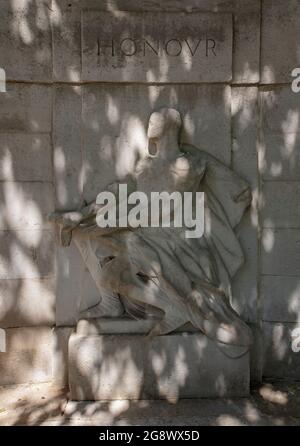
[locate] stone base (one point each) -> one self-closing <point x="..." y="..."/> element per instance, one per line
<point x="132" y="366"/>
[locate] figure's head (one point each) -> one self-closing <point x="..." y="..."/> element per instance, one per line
<point x="162" y="121"/>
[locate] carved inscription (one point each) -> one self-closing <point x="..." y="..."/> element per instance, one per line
<point x="156" y="47"/>
<point x="144" y="47"/>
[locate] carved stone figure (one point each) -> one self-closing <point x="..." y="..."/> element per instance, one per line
<point x="156" y="272"/>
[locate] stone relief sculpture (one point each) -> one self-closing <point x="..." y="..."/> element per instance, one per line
<point x="156" y="272"/>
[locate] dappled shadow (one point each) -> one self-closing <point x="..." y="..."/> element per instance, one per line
<point x="63" y="140"/>
<point x="269" y="405"/>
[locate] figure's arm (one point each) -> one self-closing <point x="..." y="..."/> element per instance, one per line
<point x="69" y="220"/>
<point x="74" y="218"/>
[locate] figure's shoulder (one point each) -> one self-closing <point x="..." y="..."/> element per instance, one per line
<point x="197" y="154"/>
<point x="213" y="165"/>
<point x="193" y="159"/>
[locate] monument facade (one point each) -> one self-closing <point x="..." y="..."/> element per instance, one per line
<point x="175" y="97"/>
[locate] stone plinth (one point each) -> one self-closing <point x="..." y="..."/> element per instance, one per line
<point x="134" y="366"/>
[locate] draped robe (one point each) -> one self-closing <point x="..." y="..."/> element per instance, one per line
<point x="159" y="273"/>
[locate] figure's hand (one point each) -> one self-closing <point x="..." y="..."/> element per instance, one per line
<point x="66" y="219"/>
<point x="67" y="222"/>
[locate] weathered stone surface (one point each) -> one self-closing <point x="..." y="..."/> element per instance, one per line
<point x="246" y="24"/>
<point x="31" y="403"/>
<point x="280" y="361"/>
<point x="66" y="32"/>
<point x="121" y="325"/>
<point x="133" y="367"/>
<point x="25" y="205"/>
<point x="25" y="108"/>
<point x="280" y="109"/>
<point x="280" y="204"/>
<point x="67" y="146"/>
<point x="17" y="152"/>
<point x="25" y="43"/>
<point x="90" y="294"/>
<point x="111" y="264"/>
<point x="94" y="326"/>
<point x="281" y="298"/>
<point x="27" y="360"/>
<point x="76" y="290"/>
<point x="69" y="176"/>
<point x="244" y="285"/>
<point x="244" y="110"/>
<point x="156" y="47"/>
<point x="256" y="353"/>
<point x="116" y="118"/>
<point x="27" y="302"/>
<point x="280" y="252"/>
<point x="69" y="285"/>
<point x="60" y="355"/>
<point x="246" y="52"/>
<point x="279" y="157"/>
<point x="280" y="43"/>
<point x="28" y="357"/>
<point x="30" y="31"/>
<point x="26" y="254"/>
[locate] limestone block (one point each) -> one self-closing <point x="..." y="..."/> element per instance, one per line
<point x="76" y="290"/>
<point x="280" y="204"/>
<point x="67" y="147"/>
<point x="27" y="302"/>
<point x="281" y="298"/>
<point x="28" y="356"/>
<point x="280" y="361"/>
<point x="60" y="355"/>
<point x="246" y="53"/>
<point x="17" y="151"/>
<point x="134" y="367"/>
<point x="279" y="157"/>
<point x="244" y="284"/>
<point x="246" y="25"/>
<point x="94" y="326"/>
<point x="280" y="252"/>
<point x="121" y="325"/>
<point x="246" y="37"/>
<point x="25" y="43"/>
<point x="244" y="110"/>
<point x="26" y="108"/>
<point x="280" y="40"/>
<point x="66" y="30"/>
<point x="25" y="205"/>
<point x="279" y="147"/>
<point x="280" y="109"/>
<point x="115" y="120"/>
<point x="256" y="353"/>
<point x="69" y="285"/>
<point x="27" y="254"/>
<point x="90" y="293"/>
<point x="156" y="47"/>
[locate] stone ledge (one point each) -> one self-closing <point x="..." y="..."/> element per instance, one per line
<point x="121" y="325"/>
<point x="109" y="367"/>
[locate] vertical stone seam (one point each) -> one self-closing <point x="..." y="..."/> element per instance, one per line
<point x="53" y="92"/>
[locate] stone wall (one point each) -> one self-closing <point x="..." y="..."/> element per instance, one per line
<point x="60" y="127"/>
